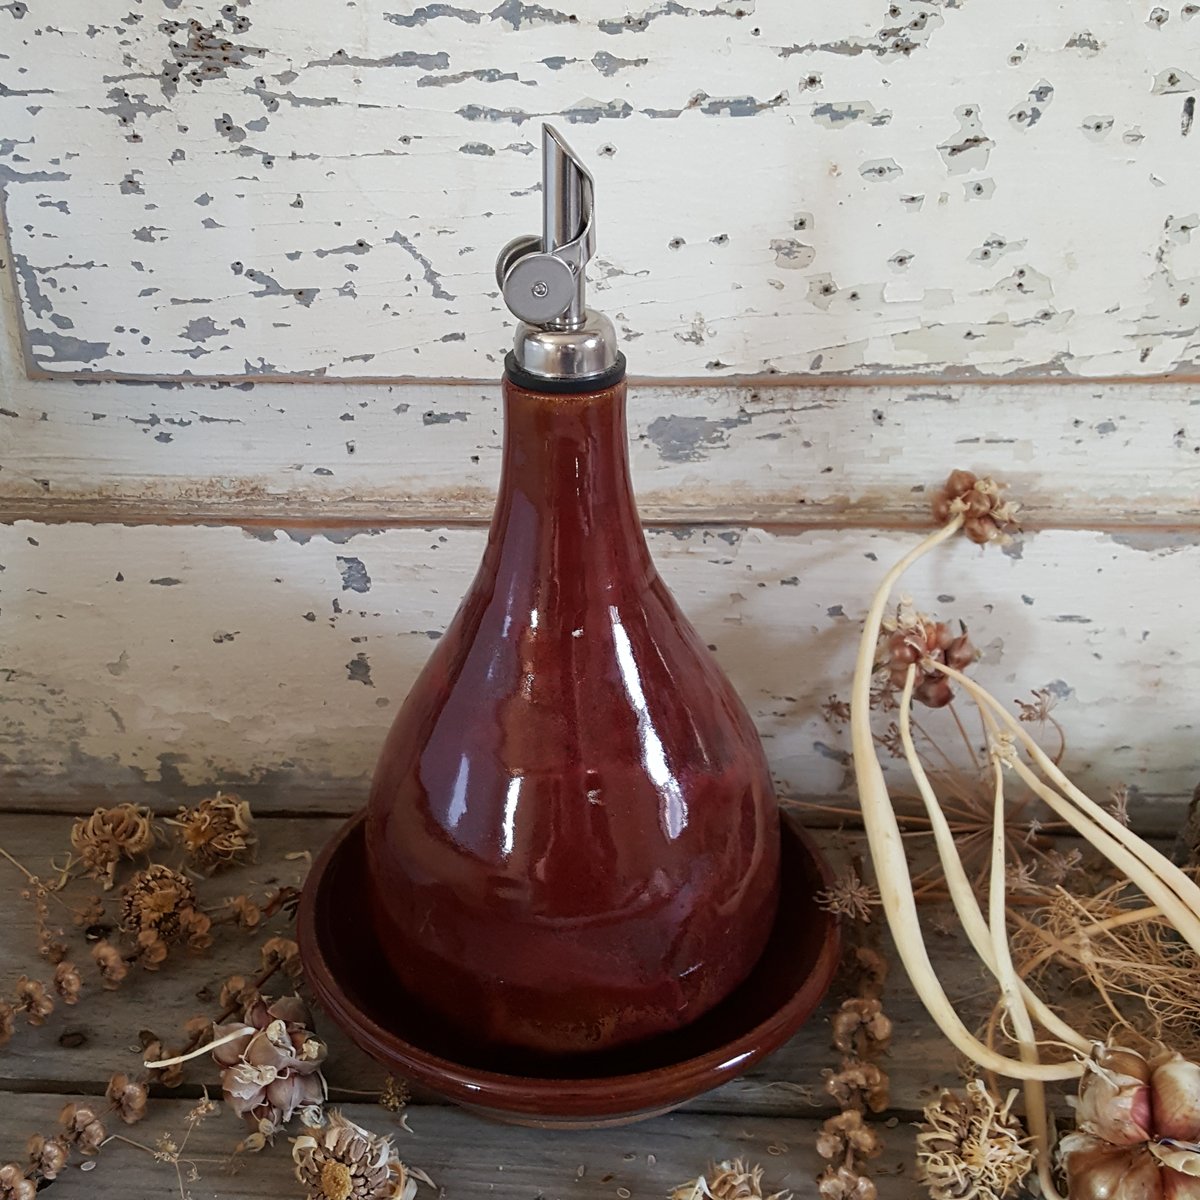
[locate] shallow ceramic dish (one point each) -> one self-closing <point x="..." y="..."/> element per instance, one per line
<point x="347" y="972"/>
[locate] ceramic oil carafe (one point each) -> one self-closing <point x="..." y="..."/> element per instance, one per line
<point x="572" y="837"/>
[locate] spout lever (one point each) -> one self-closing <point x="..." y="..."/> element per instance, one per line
<point x="542" y="279"/>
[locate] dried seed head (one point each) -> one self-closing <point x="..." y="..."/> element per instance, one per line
<point x="109" y="835"/>
<point x="67" y="982"/>
<point x="868" y="972"/>
<point x="81" y="1127"/>
<point x="860" y="1026"/>
<point x="845" y="1183"/>
<point x="237" y="992"/>
<point x="971" y="1145"/>
<point x="128" y="1097"/>
<point x="727" y="1180"/>
<point x="152" y="1050"/>
<point x="197" y="930"/>
<point x="345" y="1162"/>
<point x="14" y="1185"/>
<point x="157" y="899"/>
<point x="151" y="950"/>
<point x="986" y="517"/>
<point x="284" y="953"/>
<point x="246" y="913"/>
<point x="113" y="967"/>
<point x="48" y="1156"/>
<point x="219" y="831"/>
<point x="395" y="1094"/>
<point x="7" y="1015"/>
<point x="846" y="1134"/>
<point x="856" y="1083"/>
<point x="33" y="999"/>
<point x="849" y="897"/>
<point x="90" y="912"/>
<point x="912" y="639"/>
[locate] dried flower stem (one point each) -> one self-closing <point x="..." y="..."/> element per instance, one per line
<point x="962" y="894"/>
<point x="887" y="846"/>
<point x="1036" y="1113"/>
<point x="1151" y="870"/>
<point x="230" y="1009"/>
<point x="33" y="879"/>
<point x="159" y="1063"/>
<point x="1173" y="894"/>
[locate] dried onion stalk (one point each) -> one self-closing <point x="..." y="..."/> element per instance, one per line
<point x="976" y="506"/>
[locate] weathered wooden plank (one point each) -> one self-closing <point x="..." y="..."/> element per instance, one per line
<point x="80" y="1048"/>
<point x="191" y="656"/>
<point x="921" y="187"/>
<point x="467" y="1157"/>
<point x="1083" y="456"/>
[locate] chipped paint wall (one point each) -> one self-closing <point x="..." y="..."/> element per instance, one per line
<point x="267" y="187"/>
<point x="202" y="654"/>
<point x="251" y="242"/>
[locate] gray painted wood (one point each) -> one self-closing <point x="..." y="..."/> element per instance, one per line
<point x="468" y="1158"/>
<point x="1100" y="455"/>
<point x="165" y="656"/>
<point x="860" y="188"/>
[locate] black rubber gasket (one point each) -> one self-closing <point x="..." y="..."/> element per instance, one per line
<point x="517" y="375"/>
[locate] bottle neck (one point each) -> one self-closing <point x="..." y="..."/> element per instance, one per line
<point x="566" y="511"/>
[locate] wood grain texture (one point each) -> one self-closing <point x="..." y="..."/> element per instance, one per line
<point x="466" y="1157"/>
<point x="159" y="657"/>
<point x="923" y="187"/>
<point x="79" y="1048"/>
<point x="1100" y="455"/>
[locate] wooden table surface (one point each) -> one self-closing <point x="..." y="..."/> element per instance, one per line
<point x="770" y="1115"/>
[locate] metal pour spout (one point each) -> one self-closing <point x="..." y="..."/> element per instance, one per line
<point x="542" y="279"/>
<point x="568" y="228"/>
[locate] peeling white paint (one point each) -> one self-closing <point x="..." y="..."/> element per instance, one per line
<point x="266" y="188"/>
<point x="1107" y="454"/>
<point x="212" y="655"/>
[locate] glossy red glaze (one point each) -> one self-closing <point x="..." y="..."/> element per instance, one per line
<point x="341" y="964"/>
<point x="572" y="835"/>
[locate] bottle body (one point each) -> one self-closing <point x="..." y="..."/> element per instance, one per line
<point x="572" y="837"/>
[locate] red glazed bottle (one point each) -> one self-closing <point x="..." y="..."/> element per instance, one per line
<point x="573" y="841"/>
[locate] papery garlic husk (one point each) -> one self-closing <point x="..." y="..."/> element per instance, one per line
<point x="1175" y="1099"/>
<point x="1114" y="1097"/>
<point x="1098" y="1170"/>
<point x="1182" y="1157"/>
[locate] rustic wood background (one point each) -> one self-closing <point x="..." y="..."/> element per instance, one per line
<point x="249" y="430"/>
<point x="234" y="580"/>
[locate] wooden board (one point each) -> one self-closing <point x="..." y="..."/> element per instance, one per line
<point x="1096" y="455"/>
<point x="922" y="188"/>
<point x="81" y="1047"/>
<point x="152" y="657"/>
<point x="466" y="1157"/>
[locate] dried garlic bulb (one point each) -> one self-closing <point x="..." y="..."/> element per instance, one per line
<point x="1138" y="1127"/>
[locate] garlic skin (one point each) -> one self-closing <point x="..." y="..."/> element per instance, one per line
<point x="1097" y="1170"/>
<point x="1176" y="1098"/>
<point x="1115" y="1098"/>
<point x="1139" y="1129"/>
